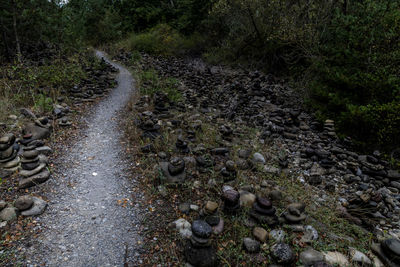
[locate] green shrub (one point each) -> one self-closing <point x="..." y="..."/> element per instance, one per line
<point x="163" y="40"/>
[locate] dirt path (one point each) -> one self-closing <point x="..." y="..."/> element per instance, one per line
<point x="91" y="219"/>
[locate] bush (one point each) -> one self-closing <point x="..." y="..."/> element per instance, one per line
<point x="163" y="40"/>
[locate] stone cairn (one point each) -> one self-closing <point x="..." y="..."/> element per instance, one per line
<point x="9" y="159"/>
<point x="199" y="250"/>
<point x="30" y="206"/>
<point x="33" y="166"/>
<point x="263" y="211"/>
<point x="211" y="216"/>
<point x="182" y="145"/>
<point x="388" y="251"/>
<point x="229" y="171"/>
<point x="148" y="123"/>
<point x="329" y="128"/>
<point x="160" y="101"/>
<point x="231" y="199"/>
<point x="173" y="171"/>
<point x="295" y="213"/>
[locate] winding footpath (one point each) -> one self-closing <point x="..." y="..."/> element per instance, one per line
<point x="92" y="218"/>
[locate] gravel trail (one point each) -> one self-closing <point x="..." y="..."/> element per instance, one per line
<point x="92" y="218"/>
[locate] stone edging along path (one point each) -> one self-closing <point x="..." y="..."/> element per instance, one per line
<point x="90" y="219"/>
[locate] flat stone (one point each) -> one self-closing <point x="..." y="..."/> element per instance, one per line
<point x="7" y="139"/>
<point x="260" y="234"/>
<point x="23" y="202"/>
<point x="30" y="154"/>
<point x="264" y="202"/>
<point x="37" y="170"/>
<point x="38" y="207"/>
<point x="359" y="257"/>
<point x="44" y="150"/>
<point x="6" y="153"/>
<point x="392" y="246"/>
<point x="204" y="257"/>
<point x="251" y="245"/>
<point x="34" y="180"/>
<point x="311" y="256"/>
<point x="334" y="257"/>
<point x="36" y="131"/>
<point x="8" y="214"/>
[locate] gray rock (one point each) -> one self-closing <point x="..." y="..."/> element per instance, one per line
<point x="45" y="150"/>
<point x="23" y="202"/>
<point x="8" y="214"/>
<point x="311" y="256"/>
<point x="36" y="131"/>
<point x="184" y="208"/>
<point x="310" y="234"/>
<point x="359" y="257"/>
<point x="28" y="173"/>
<point x="201" y="229"/>
<point x="282" y="253"/>
<point x="277" y="235"/>
<point x="34" y="180"/>
<point x="251" y="245"/>
<point x="258" y="158"/>
<point x="38" y="207"/>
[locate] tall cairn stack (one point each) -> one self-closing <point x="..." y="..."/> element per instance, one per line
<point x="9" y="160"/>
<point x="34" y="169"/>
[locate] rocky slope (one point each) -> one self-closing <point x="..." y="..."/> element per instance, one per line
<point x="247" y="158"/>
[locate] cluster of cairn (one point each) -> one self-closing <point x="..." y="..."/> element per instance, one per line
<point x="60" y="113"/>
<point x="100" y="81"/>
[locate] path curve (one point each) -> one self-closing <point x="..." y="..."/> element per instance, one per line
<point x="92" y="219"/>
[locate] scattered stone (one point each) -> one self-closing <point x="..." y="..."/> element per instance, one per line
<point x="334" y="257"/>
<point x="8" y="214"/>
<point x="277" y="235"/>
<point x="260" y="234"/>
<point x="258" y="158"/>
<point x="310" y="257"/>
<point x="184" y="227"/>
<point x="251" y="245"/>
<point x="23" y="202"/>
<point x="282" y="253"/>
<point x="359" y="257"/>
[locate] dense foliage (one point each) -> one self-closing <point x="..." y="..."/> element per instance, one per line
<point x="343" y="54"/>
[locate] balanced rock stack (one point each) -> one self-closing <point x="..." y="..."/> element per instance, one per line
<point x="9" y="160"/>
<point x="30" y="206"/>
<point x="199" y="250"/>
<point x="182" y="145"/>
<point x="34" y="169"/>
<point x="329" y="128"/>
<point x="231" y="199"/>
<point x="40" y="129"/>
<point x="210" y="212"/>
<point x="388" y="251"/>
<point x="160" y="103"/>
<point x="174" y="170"/>
<point x="295" y="213"/>
<point x="229" y="171"/>
<point x="148" y="123"/>
<point x="263" y="211"/>
<point x="60" y="114"/>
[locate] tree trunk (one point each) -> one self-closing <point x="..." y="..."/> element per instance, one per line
<point x="17" y="44"/>
<point x="4" y="35"/>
